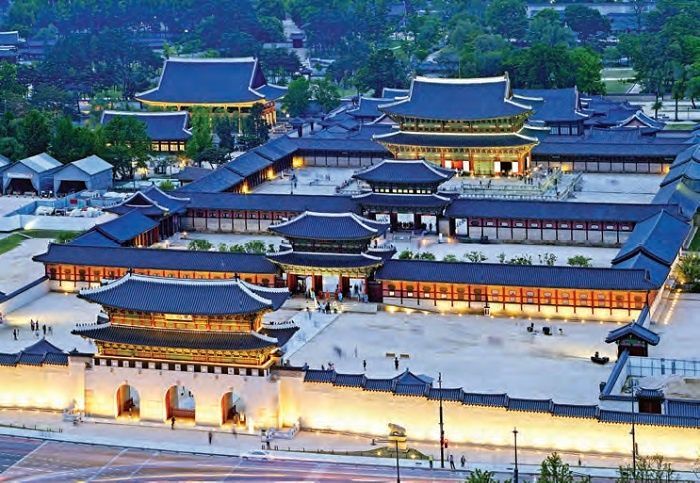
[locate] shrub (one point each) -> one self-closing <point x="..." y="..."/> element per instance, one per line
<point x="579" y="261"/>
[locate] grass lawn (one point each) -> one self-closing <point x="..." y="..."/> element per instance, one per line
<point x="618" y="73"/>
<point x="11" y="242"/>
<point x="54" y="234"/>
<point x="616" y="86"/>
<point x="679" y="126"/>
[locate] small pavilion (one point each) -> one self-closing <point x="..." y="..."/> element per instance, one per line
<point x="634" y="338"/>
<point x="404" y="193"/>
<point x="329" y="252"/>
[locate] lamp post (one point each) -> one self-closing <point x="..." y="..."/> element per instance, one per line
<point x="442" y="425"/>
<point x="634" y="442"/>
<point x="398" y="472"/>
<point x="515" y="449"/>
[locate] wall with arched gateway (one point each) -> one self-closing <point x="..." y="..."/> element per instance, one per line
<point x="282" y="399"/>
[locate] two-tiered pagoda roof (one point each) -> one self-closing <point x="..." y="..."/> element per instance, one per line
<point x="312" y="225"/>
<point x="151" y="201"/>
<point x="142" y="293"/>
<point x="458" y="100"/>
<point x="223" y="81"/>
<point x="407" y="172"/>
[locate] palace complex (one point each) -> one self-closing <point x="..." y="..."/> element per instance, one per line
<point x="216" y="339"/>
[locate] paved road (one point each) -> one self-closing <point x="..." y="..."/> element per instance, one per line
<point x="29" y="460"/>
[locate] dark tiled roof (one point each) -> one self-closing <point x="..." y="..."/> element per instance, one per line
<point x="574" y="410"/>
<point x="248" y="164"/>
<point x="218" y="180"/>
<point x="659" y="237"/>
<point x="329" y="260"/>
<point x="160" y="126"/>
<point x="682" y="193"/>
<point x="530" y="405"/>
<point x="369" y="107"/>
<point x="211" y="81"/>
<point x="455" y="140"/>
<point x="552" y="105"/>
<point x="330" y="226"/>
<point x="191" y="173"/>
<point x="517" y="275"/>
<point x="271" y="202"/>
<point x="157" y="259"/>
<point x="392" y="93"/>
<point x="633" y="329"/>
<point x="612" y="142"/>
<point x="648" y="419"/>
<point x="9" y="38"/>
<point x="151" y="201"/>
<point x="383" y="200"/>
<point x="185" y="296"/>
<point x="126" y="227"/>
<point x="640" y="118"/>
<point x="404" y="172"/>
<point x="458" y="99"/>
<point x="185" y="339"/>
<point x="41" y="352"/>
<point x="552" y="210"/>
<point x="658" y="272"/>
<point x="94" y="238"/>
<point x="683" y="408"/>
<point x="644" y="393"/>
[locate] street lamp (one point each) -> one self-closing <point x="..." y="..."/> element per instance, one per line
<point x="398" y="472"/>
<point x="442" y="425"/>
<point x="634" y="442"/>
<point x="515" y="449"/>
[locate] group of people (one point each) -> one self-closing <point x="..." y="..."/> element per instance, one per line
<point x="35" y="328"/>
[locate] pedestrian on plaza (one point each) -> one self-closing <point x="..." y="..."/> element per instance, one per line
<point x="31" y="324"/>
<point x="43" y="328"/>
<point x="14" y="333"/>
<point x="364" y="365"/>
<point x="452" y="463"/>
<point x="323" y="367"/>
<point x="210" y="436"/>
<point x="430" y="461"/>
<point x="463" y="461"/>
<point x="50" y="330"/>
<point x="396" y="363"/>
<point x="308" y="313"/>
<point x="235" y="433"/>
<point x="172" y="422"/>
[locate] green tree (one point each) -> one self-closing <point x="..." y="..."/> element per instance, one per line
<point x="167" y="185"/>
<point x="543" y="67"/>
<point x="406" y="255"/>
<point x="507" y="18"/>
<point x="425" y="256"/>
<point x="69" y="143"/>
<point x="475" y="257"/>
<point x="656" y="106"/>
<point x="34" y="133"/>
<point x="255" y="246"/>
<point x="255" y="129"/>
<point x="225" y="126"/>
<point x="649" y="469"/>
<point x="279" y="64"/>
<point x="554" y="470"/>
<point x="326" y="94"/>
<point x="547" y="28"/>
<point x="689" y="269"/>
<point x="213" y="156"/>
<point x="124" y="143"/>
<point x="200" y="245"/>
<point x="201" y="132"/>
<point x="587" y="22"/>
<point x="588" y="68"/>
<point x="579" y="261"/>
<point x="296" y="100"/>
<point x="481" y="476"/>
<point x="450" y="258"/>
<point x="382" y="70"/>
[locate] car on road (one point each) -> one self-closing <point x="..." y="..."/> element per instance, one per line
<point x="258" y="454"/>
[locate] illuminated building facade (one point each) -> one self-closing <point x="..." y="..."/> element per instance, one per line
<point x="471" y="125"/>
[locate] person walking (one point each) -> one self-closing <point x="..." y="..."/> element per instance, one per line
<point x="210" y="435"/>
<point x="463" y="461"/>
<point x="172" y="422"/>
<point x="50" y="330"/>
<point x="14" y="333"/>
<point x="43" y="328"/>
<point x="396" y="363"/>
<point x="364" y="365"/>
<point x="452" y="463"/>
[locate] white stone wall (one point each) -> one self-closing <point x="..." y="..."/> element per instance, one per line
<point x="43" y="387"/>
<point x="322" y="406"/>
